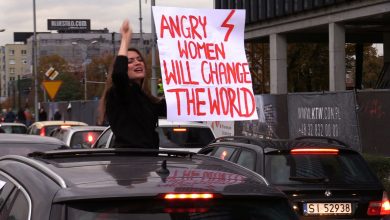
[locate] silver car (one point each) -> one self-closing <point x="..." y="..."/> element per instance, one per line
<point x="188" y="136"/>
<point x="13" y="127"/>
<point x="78" y="136"/>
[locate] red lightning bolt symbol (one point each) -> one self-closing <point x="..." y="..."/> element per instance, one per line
<point x="225" y="24"/>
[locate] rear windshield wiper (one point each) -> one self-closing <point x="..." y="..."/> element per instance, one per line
<point x="309" y="179"/>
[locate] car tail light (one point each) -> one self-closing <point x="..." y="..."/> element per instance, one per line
<point x="174" y="196"/>
<point x="90" y="138"/>
<point x="379" y="207"/>
<point x="223" y="155"/>
<point x="42" y="132"/>
<point x="314" y="151"/>
<point x="179" y="129"/>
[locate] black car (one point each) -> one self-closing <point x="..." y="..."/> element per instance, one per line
<point x="134" y="184"/>
<point x="326" y="179"/>
<point x="23" y="144"/>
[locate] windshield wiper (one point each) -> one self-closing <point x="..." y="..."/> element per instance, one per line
<point x="309" y="179"/>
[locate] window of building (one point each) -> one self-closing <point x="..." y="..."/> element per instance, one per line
<point x="11" y="70"/>
<point x="24" y="52"/>
<point x="11" y="62"/>
<point x="11" y="52"/>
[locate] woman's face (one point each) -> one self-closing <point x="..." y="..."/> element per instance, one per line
<point x="135" y="67"/>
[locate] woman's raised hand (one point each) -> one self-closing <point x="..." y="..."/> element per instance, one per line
<point x="126" y="30"/>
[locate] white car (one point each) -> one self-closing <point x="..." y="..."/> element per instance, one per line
<point x="13" y="127"/>
<point x="78" y="136"/>
<point x="188" y="136"/>
<point x="44" y="128"/>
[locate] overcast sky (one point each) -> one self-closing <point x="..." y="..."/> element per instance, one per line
<point x="17" y="15"/>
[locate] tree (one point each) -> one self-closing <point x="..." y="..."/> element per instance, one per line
<point x="307" y="67"/>
<point x="372" y="64"/>
<point x="70" y="89"/>
<point x="258" y="59"/>
<point x="97" y="71"/>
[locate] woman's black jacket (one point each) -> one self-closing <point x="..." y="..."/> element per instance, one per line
<point x="133" y="117"/>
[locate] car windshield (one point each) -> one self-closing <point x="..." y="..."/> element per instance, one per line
<point x="270" y="209"/>
<point x="84" y="139"/>
<point x="184" y="137"/>
<point x="286" y="169"/>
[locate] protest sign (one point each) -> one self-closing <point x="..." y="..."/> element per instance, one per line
<point x="204" y="68"/>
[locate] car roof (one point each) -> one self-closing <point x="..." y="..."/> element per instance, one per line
<point x="270" y="145"/>
<point x="165" y="123"/>
<point x="134" y="172"/>
<point x="12" y="124"/>
<point x="40" y="124"/>
<point x="85" y="128"/>
<point x="28" y="139"/>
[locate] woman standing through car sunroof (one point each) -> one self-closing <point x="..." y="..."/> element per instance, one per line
<point x="132" y="111"/>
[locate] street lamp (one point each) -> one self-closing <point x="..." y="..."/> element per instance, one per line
<point x="85" y="68"/>
<point x="85" y="63"/>
<point x="153" y="82"/>
<point x="35" y="62"/>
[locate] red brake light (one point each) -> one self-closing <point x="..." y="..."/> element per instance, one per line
<point x="42" y="132"/>
<point x="379" y="207"/>
<point x="223" y="155"/>
<point x="314" y="151"/>
<point x="172" y="196"/>
<point x="90" y="138"/>
<point x="180" y="129"/>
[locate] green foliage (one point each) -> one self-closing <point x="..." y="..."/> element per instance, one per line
<point x="97" y="71"/>
<point x="381" y="166"/>
<point x="308" y="68"/>
<point x="70" y="88"/>
<point x="372" y="64"/>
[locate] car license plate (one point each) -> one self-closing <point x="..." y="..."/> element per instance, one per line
<point x="327" y="208"/>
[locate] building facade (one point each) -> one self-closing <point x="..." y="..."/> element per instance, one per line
<point x="335" y="22"/>
<point x="77" y="48"/>
<point x="16" y="60"/>
<point x="14" y="66"/>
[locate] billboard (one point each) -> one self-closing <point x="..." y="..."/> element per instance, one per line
<point x="69" y="24"/>
<point x="272" y="121"/>
<point x="374" y="118"/>
<point x="327" y="114"/>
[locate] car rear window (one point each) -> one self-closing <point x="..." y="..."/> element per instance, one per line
<point x="84" y="139"/>
<point x="242" y="209"/>
<point x="50" y="128"/>
<point x="184" y="137"/>
<point x="349" y="168"/>
<point x="14" y="129"/>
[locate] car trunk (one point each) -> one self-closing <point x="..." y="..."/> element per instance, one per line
<point x="332" y="201"/>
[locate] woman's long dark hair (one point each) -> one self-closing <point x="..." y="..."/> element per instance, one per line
<point x="108" y="85"/>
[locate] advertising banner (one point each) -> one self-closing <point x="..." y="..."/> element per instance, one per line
<point x="273" y="118"/>
<point x="204" y="69"/>
<point x="374" y="118"/>
<point x="327" y="114"/>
